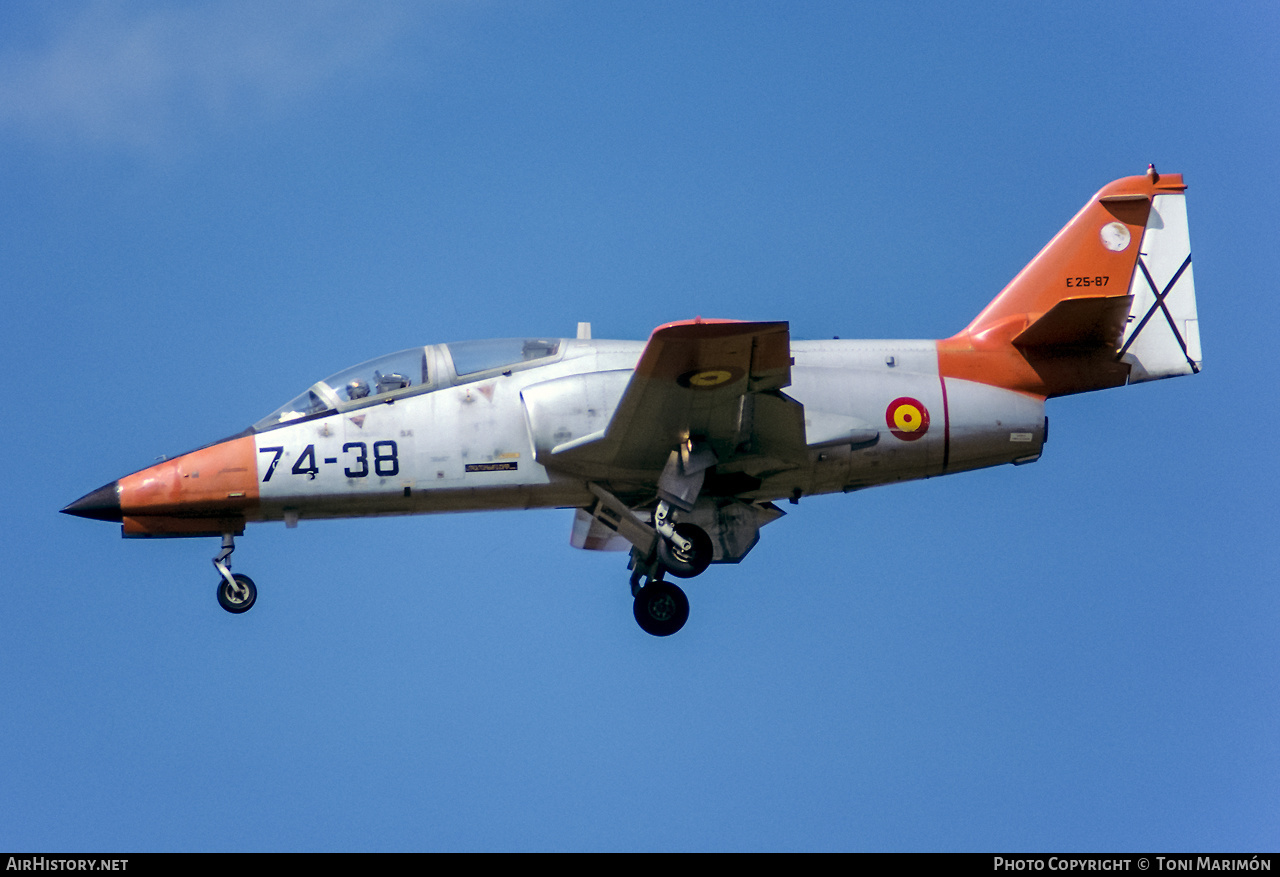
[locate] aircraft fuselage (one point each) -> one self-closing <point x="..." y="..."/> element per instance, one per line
<point x="467" y="445"/>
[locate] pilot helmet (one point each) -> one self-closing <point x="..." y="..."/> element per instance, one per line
<point x="357" y="389"/>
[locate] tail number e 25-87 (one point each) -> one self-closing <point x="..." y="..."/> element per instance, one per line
<point x="386" y="460"/>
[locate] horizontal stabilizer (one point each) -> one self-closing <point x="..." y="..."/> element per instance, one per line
<point x="1079" y="322"/>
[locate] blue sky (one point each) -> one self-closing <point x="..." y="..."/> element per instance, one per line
<point x="206" y="207"/>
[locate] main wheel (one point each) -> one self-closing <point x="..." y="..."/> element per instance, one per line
<point x="661" y="608"/>
<point x="687" y="564"/>
<point x="240" y="598"/>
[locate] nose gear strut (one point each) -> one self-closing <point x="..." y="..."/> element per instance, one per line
<point x="236" y="593"/>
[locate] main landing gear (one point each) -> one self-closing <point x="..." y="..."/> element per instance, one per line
<point x="661" y="608"/>
<point x="684" y="550"/>
<point x="663" y="546"/>
<point x="236" y="593"/>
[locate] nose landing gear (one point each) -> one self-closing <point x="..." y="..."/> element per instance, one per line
<point x="236" y="593"/>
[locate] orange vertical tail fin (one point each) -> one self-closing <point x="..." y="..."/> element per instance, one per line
<point x="1109" y="300"/>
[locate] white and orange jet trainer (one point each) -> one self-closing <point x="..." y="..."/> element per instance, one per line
<point x="678" y="447"/>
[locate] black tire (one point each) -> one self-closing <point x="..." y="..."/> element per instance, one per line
<point x="661" y="608"/>
<point x="695" y="562"/>
<point x="242" y="599"/>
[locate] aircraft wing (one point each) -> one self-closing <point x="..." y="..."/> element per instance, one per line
<point x="715" y="382"/>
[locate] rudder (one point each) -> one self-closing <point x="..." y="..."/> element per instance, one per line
<point x="1162" y="336"/>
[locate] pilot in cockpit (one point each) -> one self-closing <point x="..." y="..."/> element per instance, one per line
<point x="357" y="389"/>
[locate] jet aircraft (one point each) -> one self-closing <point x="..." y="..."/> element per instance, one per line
<point x="679" y="448"/>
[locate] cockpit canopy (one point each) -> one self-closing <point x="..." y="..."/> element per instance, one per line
<point x="474" y="357"/>
<point x="416" y="369"/>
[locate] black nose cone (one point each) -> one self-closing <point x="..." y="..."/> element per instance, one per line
<point x="101" y="505"/>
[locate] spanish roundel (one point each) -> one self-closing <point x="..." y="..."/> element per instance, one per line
<point x="907" y="418"/>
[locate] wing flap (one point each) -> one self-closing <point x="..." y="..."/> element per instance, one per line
<point x="591" y="535"/>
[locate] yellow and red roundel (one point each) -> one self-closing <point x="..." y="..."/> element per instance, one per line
<point x="907" y="418"/>
<point x="707" y="378"/>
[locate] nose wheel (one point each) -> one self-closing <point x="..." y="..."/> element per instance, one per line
<point x="237" y="595"/>
<point x="236" y="592"/>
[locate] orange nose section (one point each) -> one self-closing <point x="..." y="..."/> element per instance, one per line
<point x="206" y="489"/>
